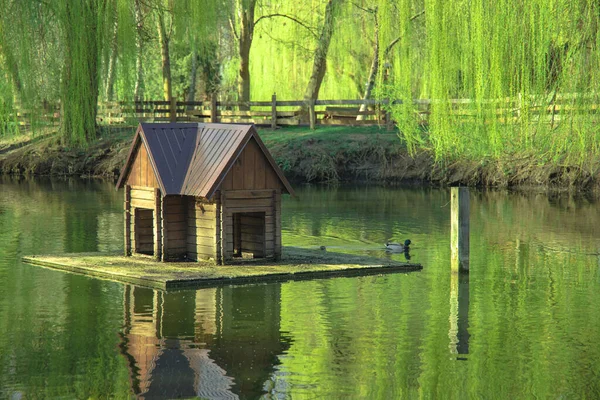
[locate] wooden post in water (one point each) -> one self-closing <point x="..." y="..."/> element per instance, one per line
<point x="459" y="235"/>
<point x="274" y="111"/>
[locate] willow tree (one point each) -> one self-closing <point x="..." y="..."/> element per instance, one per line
<point x="82" y="34"/>
<point x="114" y="47"/>
<point x="57" y="45"/>
<point x="164" y="24"/>
<point x="197" y="25"/>
<point x="513" y="60"/>
<point x="139" y="46"/>
<point x="320" y="58"/>
<point x="245" y="18"/>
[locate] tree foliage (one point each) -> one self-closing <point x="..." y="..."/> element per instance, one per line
<point x="524" y="53"/>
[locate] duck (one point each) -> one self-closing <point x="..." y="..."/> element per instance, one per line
<point x="398" y="247"/>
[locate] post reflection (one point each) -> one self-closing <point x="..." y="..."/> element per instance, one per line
<point x="212" y="343"/>
<point x="459" y="314"/>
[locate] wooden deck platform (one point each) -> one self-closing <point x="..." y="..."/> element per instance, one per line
<point x="296" y="264"/>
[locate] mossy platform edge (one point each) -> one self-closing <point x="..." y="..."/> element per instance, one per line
<point x="297" y="264"/>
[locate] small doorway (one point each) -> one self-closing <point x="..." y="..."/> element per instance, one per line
<point x="144" y="231"/>
<point x="249" y="235"/>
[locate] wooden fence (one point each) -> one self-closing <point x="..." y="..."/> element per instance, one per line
<point x="265" y="113"/>
<point x="320" y="112"/>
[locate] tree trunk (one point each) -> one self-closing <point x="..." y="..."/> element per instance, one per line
<point x="246" y="17"/>
<point x="139" y="46"/>
<point x="320" y="61"/>
<point x="193" y="73"/>
<point x="372" y="73"/>
<point x="112" y="62"/>
<point x="166" y="65"/>
<point x="79" y="91"/>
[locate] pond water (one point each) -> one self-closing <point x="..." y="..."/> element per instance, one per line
<point x="525" y="322"/>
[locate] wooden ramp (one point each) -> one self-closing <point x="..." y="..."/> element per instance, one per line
<point x="296" y="264"/>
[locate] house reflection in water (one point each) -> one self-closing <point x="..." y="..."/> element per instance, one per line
<point x="211" y="343"/>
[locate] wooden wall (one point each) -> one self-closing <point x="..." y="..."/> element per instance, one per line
<point x="250" y="201"/>
<point x="141" y="172"/>
<point x="202" y="234"/>
<point x="251" y="171"/>
<point x="175" y="215"/>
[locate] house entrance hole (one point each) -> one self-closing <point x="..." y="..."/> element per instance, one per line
<point x="144" y="231"/>
<point x="249" y="234"/>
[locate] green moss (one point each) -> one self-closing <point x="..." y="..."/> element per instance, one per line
<point x="296" y="263"/>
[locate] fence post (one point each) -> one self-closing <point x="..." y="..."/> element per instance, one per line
<point x="173" y="109"/>
<point x="213" y="108"/>
<point x="311" y="113"/>
<point x="389" y="124"/>
<point x="274" y="111"/>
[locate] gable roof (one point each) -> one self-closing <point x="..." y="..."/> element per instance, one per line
<point x="193" y="158"/>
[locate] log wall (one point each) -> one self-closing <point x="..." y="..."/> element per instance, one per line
<point x="202" y="235"/>
<point x="174" y="229"/>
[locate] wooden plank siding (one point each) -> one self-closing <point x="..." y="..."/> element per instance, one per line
<point x="201" y="234"/>
<point x="251" y="171"/>
<point x="142" y="173"/>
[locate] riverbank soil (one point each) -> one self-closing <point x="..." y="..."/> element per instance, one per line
<point x="296" y="263"/>
<point x="327" y="154"/>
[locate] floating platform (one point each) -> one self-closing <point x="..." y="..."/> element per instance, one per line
<point x="296" y="264"/>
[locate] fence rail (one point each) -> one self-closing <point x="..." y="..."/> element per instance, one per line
<point x="320" y="112"/>
<point x="266" y="113"/>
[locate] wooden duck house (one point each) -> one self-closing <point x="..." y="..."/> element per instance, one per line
<point x="202" y="191"/>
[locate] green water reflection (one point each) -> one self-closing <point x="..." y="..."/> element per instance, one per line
<point x="525" y="323"/>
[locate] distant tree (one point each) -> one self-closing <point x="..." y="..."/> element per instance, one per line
<point x="164" y="25"/>
<point x="320" y="57"/>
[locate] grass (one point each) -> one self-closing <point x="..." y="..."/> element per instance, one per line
<point x="296" y="263"/>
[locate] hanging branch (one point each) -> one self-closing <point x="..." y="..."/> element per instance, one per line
<point x="395" y="41"/>
<point x="302" y="24"/>
<point x="233" y="30"/>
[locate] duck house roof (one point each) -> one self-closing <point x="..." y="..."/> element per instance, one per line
<point x="193" y="158"/>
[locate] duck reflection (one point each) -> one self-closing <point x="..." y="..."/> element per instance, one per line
<point x="212" y="343"/>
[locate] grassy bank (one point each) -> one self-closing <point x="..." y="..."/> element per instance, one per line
<point x="328" y="154"/>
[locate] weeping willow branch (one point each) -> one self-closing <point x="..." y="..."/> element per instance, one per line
<point x="396" y="40"/>
<point x="302" y="24"/>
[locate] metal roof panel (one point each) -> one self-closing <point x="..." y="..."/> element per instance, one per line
<point x="193" y="158"/>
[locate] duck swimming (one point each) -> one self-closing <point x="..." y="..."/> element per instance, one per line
<point x="399" y="247"/>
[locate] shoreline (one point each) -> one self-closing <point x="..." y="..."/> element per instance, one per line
<point x="326" y="155"/>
